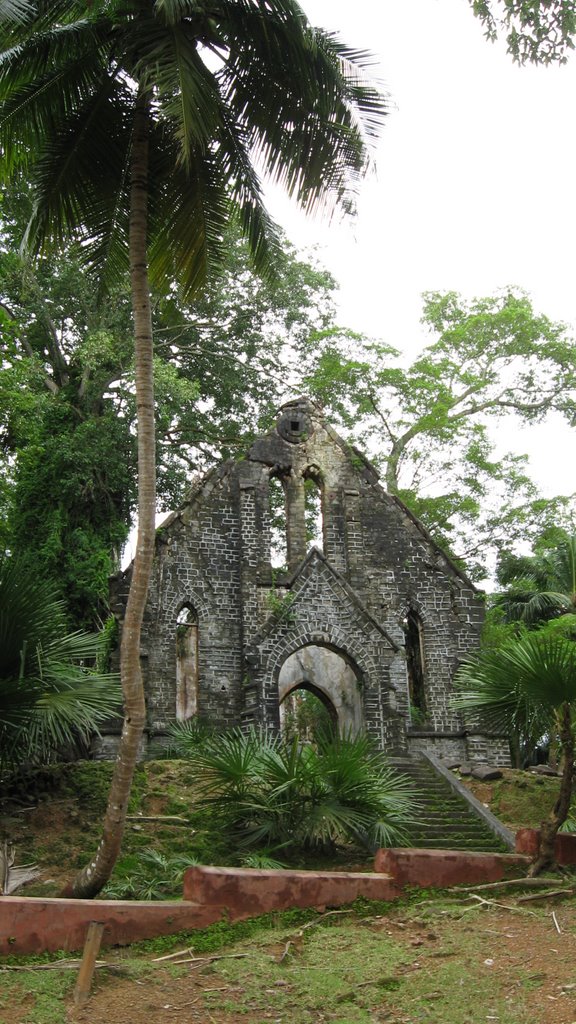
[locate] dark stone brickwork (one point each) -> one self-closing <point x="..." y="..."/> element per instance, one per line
<point x="378" y="563"/>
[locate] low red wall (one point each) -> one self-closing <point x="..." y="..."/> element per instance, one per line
<point x="442" y="868"/>
<point x="31" y="925"/>
<point x="246" y="892"/>
<point x="564" y="847"/>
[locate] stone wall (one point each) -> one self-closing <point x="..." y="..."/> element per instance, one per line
<point x="378" y="565"/>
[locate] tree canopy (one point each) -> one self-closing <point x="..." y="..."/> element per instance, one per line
<point x="67" y="394"/>
<point x="428" y="424"/>
<point x="536" y="31"/>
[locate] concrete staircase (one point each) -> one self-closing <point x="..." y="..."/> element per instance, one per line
<point x="446" y="819"/>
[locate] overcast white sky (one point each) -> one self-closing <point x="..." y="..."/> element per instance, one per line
<point x="475" y="184"/>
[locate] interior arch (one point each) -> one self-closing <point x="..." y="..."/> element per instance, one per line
<point x="330" y="676"/>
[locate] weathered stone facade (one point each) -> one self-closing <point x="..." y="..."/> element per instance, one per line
<point x="395" y="612"/>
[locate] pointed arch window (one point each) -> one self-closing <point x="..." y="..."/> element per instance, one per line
<point x="415" y="666"/>
<point x="186" y="662"/>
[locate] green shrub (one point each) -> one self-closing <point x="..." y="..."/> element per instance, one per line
<point x="264" y="792"/>
<point x="156" y="877"/>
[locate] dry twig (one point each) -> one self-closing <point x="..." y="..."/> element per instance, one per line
<point x="528" y="883"/>
<point x="546" y="895"/>
<point x="481" y="902"/>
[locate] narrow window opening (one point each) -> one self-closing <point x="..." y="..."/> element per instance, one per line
<point x="295" y="425"/>
<point x="414" y="640"/>
<point x="278" y="536"/>
<point x="313" y="514"/>
<point x="186" y="663"/>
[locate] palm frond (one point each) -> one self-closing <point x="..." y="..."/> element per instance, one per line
<point x="15" y="11"/>
<point x="265" y="791"/>
<point x="49" y="692"/>
<point x="519" y="686"/>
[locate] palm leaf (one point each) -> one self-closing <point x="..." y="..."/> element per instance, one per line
<point x="519" y="687"/>
<point x="48" y="691"/>
<point x="15" y="10"/>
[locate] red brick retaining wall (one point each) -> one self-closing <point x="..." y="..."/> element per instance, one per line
<point x="34" y="925"/>
<point x="246" y="892"/>
<point x="31" y="924"/>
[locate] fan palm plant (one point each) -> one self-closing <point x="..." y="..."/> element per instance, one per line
<point x="540" y="587"/>
<point x="139" y="122"/>
<point x="265" y="792"/>
<point x="49" y="696"/>
<point x="529" y="684"/>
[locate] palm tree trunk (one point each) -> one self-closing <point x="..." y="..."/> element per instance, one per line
<point x="546" y="855"/>
<point x="92" y="878"/>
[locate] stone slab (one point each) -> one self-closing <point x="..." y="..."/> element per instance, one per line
<point x="35" y="925"/>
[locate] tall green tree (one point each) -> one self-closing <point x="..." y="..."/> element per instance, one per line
<point x="428" y="424"/>
<point x="528" y="686"/>
<point x="67" y="404"/>
<point x="139" y="123"/>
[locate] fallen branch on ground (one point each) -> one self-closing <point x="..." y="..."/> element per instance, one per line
<point x="58" y="965"/>
<point x="481" y="902"/>
<point x="528" y="883"/>
<point x="166" y="819"/>
<point x="546" y="895"/>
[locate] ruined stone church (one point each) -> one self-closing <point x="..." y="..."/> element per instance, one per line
<point x="374" y="618"/>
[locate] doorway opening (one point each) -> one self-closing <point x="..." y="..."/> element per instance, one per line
<point x="307" y="715"/>
<point x="317" y="685"/>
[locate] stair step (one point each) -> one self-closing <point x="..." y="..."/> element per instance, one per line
<point x="444" y="820"/>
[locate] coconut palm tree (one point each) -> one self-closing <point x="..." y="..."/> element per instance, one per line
<point x="528" y="684"/>
<point x="540" y="587"/>
<point x="49" y="697"/>
<point x="140" y="123"/>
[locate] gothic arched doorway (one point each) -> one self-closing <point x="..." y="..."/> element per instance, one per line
<point x="321" y="685"/>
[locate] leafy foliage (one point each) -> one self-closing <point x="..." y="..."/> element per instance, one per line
<point x="537" y="31"/>
<point x="68" y="412"/>
<point x="286" y="796"/>
<point x="156" y="877"/>
<point x="539" y="587"/>
<point x="242" y="79"/>
<point x="528" y="689"/>
<point x="49" y="695"/>
<point x="427" y="424"/>
<point x="519" y="686"/>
